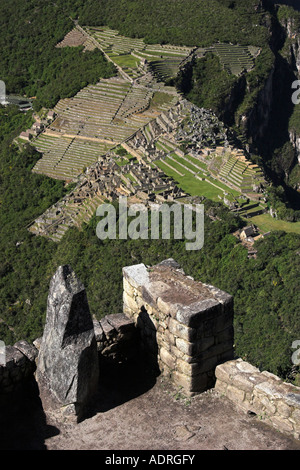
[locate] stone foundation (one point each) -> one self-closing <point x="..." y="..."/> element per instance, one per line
<point x="262" y="393"/>
<point x="185" y="326"/>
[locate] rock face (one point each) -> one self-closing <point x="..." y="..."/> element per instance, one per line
<point x="67" y="368"/>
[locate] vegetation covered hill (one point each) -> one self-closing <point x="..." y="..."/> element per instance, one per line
<point x="30" y="63"/>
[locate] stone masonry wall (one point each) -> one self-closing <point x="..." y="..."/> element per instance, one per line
<point x="116" y="340"/>
<point x="19" y="367"/>
<point x="262" y="393"/>
<point x="186" y="327"/>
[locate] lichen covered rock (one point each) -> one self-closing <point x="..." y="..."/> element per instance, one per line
<point x="67" y="367"/>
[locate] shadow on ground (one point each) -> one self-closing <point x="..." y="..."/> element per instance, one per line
<point x="23" y="424"/>
<point x="122" y="382"/>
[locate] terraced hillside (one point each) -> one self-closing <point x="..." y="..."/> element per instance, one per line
<point x="66" y="157"/>
<point x="241" y="174"/>
<point x="97" y="119"/>
<point x="129" y="53"/>
<point x="75" y="38"/>
<point x="234" y="58"/>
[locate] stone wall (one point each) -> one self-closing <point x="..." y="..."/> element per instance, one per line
<point x="116" y="338"/>
<point x="116" y="341"/>
<point x="185" y="326"/>
<point x="19" y="367"/>
<point x="262" y="393"/>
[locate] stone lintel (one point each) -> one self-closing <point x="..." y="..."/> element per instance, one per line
<point x="120" y="322"/>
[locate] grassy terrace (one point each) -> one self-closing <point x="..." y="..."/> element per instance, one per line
<point x="266" y="224"/>
<point x="191" y="185"/>
<point x="128" y="53"/>
<point x="189" y="170"/>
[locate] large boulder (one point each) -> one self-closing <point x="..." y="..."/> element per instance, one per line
<point x="67" y="366"/>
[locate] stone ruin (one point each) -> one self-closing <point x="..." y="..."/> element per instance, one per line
<point x="181" y="328"/>
<point x="185" y="326"/>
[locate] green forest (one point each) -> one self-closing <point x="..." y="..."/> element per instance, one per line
<point x="30" y="63"/>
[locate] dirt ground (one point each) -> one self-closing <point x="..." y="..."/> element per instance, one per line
<point x="137" y="411"/>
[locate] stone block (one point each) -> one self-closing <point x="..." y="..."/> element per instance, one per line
<point x="223" y="351"/>
<point x="267" y="389"/>
<point x="179" y="354"/>
<point x="29" y="350"/>
<point x="204" y="344"/>
<point x="245" y="382"/>
<point x="209" y="365"/>
<point x="284" y="410"/>
<point x="247" y="368"/>
<point x="235" y="395"/>
<point x="223" y="321"/>
<point x="136" y="275"/>
<point x="107" y="328"/>
<point x="191" y="384"/>
<point x="269" y="406"/>
<point x="129" y="301"/>
<point x="14" y="357"/>
<point x="121" y="322"/>
<point x="182" y="331"/>
<point x="185" y="346"/>
<point x="128" y="288"/>
<point x="221" y="387"/>
<point x="99" y="333"/>
<point x="226" y="371"/>
<point x="225" y="335"/>
<point x="170" y="338"/>
<point x="167" y="358"/>
<point x="148" y="296"/>
<point x="187" y="368"/>
<point x="282" y="424"/>
<point x="194" y="315"/>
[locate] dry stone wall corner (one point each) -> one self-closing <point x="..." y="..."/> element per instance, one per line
<point x="276" y="402"/>
<point x="185" y="326"/>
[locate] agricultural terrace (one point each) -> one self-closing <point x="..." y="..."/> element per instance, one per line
<point x="129" y="53"/>
<point x="98" y="118"/>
